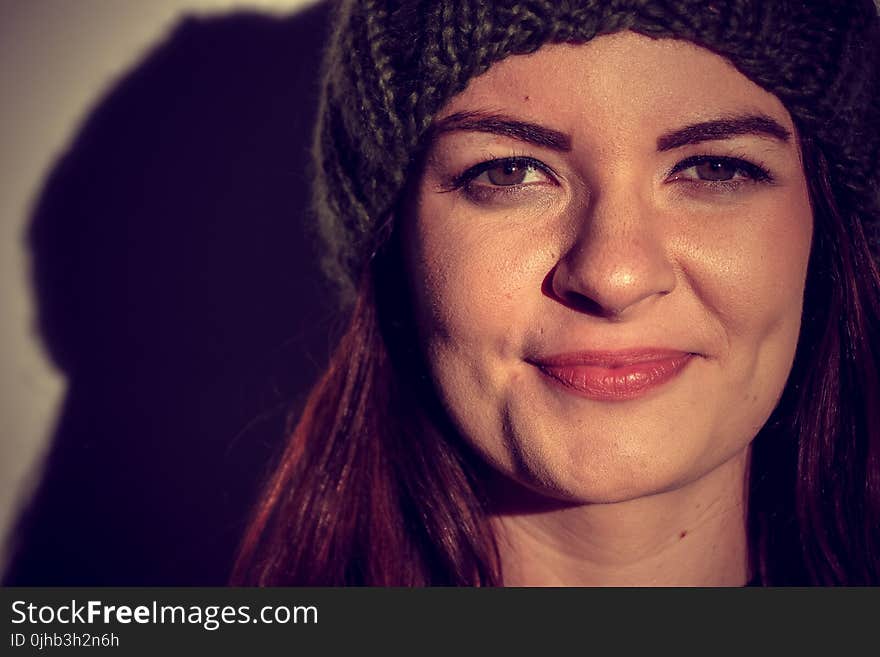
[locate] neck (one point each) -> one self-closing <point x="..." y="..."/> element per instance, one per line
<point x="694" y="535"/>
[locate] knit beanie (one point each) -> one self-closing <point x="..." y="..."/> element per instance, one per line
<point x="391" y="65"/>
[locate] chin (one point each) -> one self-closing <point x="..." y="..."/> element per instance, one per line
<point x="598" y="483"/>
<point x="609" y="471"/>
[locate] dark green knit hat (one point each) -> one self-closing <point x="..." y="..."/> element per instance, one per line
<point x="392" y="65"/>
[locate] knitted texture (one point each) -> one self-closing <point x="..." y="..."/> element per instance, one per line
<point x="392" y="65"/>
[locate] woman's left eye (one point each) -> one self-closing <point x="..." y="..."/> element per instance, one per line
<point x="723" y="171"/>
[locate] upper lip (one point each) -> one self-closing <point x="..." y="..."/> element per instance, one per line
<point x="617" y="358"/>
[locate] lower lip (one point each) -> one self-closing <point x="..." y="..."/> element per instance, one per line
<point x="605" y="383"/>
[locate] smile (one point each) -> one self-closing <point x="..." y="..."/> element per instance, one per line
<point x="613" y="376"/>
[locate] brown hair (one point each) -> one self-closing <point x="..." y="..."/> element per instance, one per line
<point x="814" y="499"/>
<point x="371" y="489"/>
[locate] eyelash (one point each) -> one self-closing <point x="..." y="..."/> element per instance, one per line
<point x="751" y="173"/>
<point x="465" y="180"/>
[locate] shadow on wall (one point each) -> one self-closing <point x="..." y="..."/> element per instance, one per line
<point x="179" y="291"/>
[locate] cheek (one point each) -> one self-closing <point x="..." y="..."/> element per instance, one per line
<point x="474" y="284"/>
<point x="470" y="277"/>
<point x="452" y="290"/>
<point x="749" y="269"/>
<point x="751" y="278"/>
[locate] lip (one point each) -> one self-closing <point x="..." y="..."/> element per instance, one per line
<point x="613" y="375"/>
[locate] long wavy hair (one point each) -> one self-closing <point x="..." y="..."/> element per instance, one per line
<point x="374" y="487"/>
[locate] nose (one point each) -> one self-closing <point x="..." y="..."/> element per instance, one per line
<point x="617" y="260"/>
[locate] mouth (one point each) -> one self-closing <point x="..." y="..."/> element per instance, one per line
<point x="613" y="376"/>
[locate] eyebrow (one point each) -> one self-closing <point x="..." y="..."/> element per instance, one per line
<point x="500" y="124"/>
<point x="751" y="124"/>
<point x="505" y="126"/>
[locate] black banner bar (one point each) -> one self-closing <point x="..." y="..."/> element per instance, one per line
<point x="195" y="621"/>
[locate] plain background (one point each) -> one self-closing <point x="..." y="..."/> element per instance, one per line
<point x="57" y="59"/>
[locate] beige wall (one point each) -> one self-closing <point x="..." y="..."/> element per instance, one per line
<point x="57" y="57"/>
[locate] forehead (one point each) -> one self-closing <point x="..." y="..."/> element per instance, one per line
<point x="624" y="85"/>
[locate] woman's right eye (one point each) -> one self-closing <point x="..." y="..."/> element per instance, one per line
<point x="510" y="172"/>
<point x="506" y="172"/>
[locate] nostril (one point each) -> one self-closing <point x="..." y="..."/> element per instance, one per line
<point x="584" y="304"/>
<point x="574" y="300"/>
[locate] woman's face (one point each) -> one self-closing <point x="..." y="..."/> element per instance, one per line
<point x="608" y="255"/>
